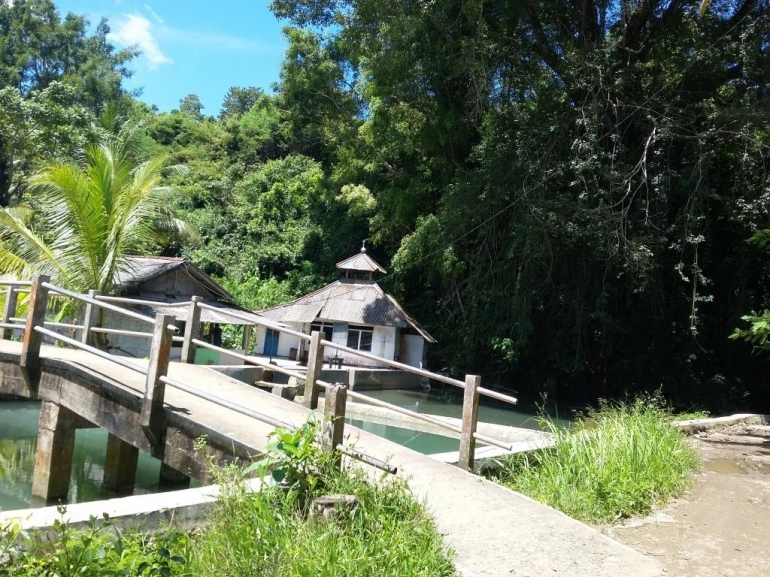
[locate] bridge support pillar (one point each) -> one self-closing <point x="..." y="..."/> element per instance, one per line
<point x="120" y="465"/>
<point x="53" y="459"/>
<point x="170" y="477"/>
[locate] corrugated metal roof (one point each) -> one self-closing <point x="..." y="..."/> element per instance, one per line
<point x="361" y="262"/>
<point x="140" y="269"/>
<point x="356" y="302"/>
<point x="180" y="309"/>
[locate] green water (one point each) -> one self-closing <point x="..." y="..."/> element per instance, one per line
<point x="18" y="438"/>
<point x="447" y="404"/>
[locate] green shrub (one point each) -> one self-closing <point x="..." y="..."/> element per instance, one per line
<point x="98" y="551"/>
<point x="618" y="461"/>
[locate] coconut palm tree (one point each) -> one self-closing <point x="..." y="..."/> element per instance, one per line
<point x="83" y="220"/>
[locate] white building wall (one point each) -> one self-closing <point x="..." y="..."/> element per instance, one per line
<point x="412" y="350"/>
<point x="286" y="342"/>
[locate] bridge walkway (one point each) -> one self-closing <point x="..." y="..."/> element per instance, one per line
<point x="492" y="530"/>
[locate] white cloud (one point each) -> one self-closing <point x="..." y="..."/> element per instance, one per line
<point x="218" y="41"/>
<point x="153" y="14"/>
<point x="136" y="30"/>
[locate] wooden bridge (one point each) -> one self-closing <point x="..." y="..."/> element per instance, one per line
<point x="164" y="407"/>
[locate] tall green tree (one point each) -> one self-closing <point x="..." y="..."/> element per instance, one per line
<point x="38" y="46"/>
<point x="565" y="186"/>
<point x="84" y="219"/>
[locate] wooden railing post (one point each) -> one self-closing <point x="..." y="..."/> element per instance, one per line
<point x="90" y="320"/>
<point x="153" y="415"/>
<point x="334" y="421"/>
<point x="192" y="330"/>
<point x="30" y="348"/>
<point x="470" y="418"/>
<point x="11" y="299"/>
<point x="315" y="362"/>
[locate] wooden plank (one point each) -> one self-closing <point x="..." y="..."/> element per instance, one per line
<point x="333" y="428"/>
<point x="90" y="319"/>
<point x="29" y="360"/>
<point x="153" y="415"/>
<point x="11" y="300"/>
<point x="469" y="421"/>
<point x="315" y="363"/>
<point x="192" y="330"/>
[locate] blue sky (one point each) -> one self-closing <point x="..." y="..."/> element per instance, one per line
<point x="192" y="46"/>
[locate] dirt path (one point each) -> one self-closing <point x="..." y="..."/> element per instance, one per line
<point x="722" y="525"/>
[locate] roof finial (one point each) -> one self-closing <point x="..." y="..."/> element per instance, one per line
<point x="363" y="246"/>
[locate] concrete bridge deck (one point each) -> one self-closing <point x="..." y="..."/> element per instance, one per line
<point x="493" y="531"/>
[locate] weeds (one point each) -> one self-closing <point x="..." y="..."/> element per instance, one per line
<point x="267" y="533"/>
<point x="97" y="551"/>
<point x="263" y="533"/>
<point x="618" y="461"/>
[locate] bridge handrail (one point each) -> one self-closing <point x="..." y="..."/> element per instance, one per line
<point x="15" y="283"/>
<point x="89" y="300"/>
<point x="93" y="350"/>
<point x="266" y="323"/>
<point x="157" y="377"/>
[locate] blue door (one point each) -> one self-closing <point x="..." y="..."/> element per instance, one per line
<point x="271" y="343"/>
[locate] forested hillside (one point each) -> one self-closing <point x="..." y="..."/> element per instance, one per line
<point x="563" y="191"/>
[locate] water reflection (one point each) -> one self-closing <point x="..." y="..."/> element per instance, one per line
<point x="18" y="441"/>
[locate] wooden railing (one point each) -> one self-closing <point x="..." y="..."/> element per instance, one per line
<point x="313" y="383"/>
<point x="36" y="327"/>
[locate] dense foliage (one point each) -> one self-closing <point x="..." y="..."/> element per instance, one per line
<point x="563" y="190"/>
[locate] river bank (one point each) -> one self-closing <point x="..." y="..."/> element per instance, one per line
<point x="719" y="527"/>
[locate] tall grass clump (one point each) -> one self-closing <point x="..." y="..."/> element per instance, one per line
<point x="271" y="532"/>
<point x="617" y="461"/>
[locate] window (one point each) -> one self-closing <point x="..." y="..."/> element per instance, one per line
<point x="326" y="330"/>
<point x="360" y="338"/>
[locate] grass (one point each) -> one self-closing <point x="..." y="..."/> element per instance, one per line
<point x="268" y="534"/>
<point x="615" y="462"/>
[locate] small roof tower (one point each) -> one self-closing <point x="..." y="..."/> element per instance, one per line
<point x="360" y="263"/>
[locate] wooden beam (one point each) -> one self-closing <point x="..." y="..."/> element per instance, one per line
<point x="9" y="310"/>
<point x="90" y="319"/>
<point x="315" y="363"/>
<point x="153" y="415"/>
<point x="469" y="421"/>
<point x="30" y="349"/>
<point x="192" y="330"/>
<point x="334" y="420"/>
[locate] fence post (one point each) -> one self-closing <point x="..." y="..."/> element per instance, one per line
<point x="315" y="362"/>
<point x="470" y="418"/>
<point x="153" y="415"/>
<point x="11" y="298"/>
<point x="90" y="319"/>
<point x="30" y="348"/>
<point x="334" y="421"/>
<point x="192" y="330"/>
